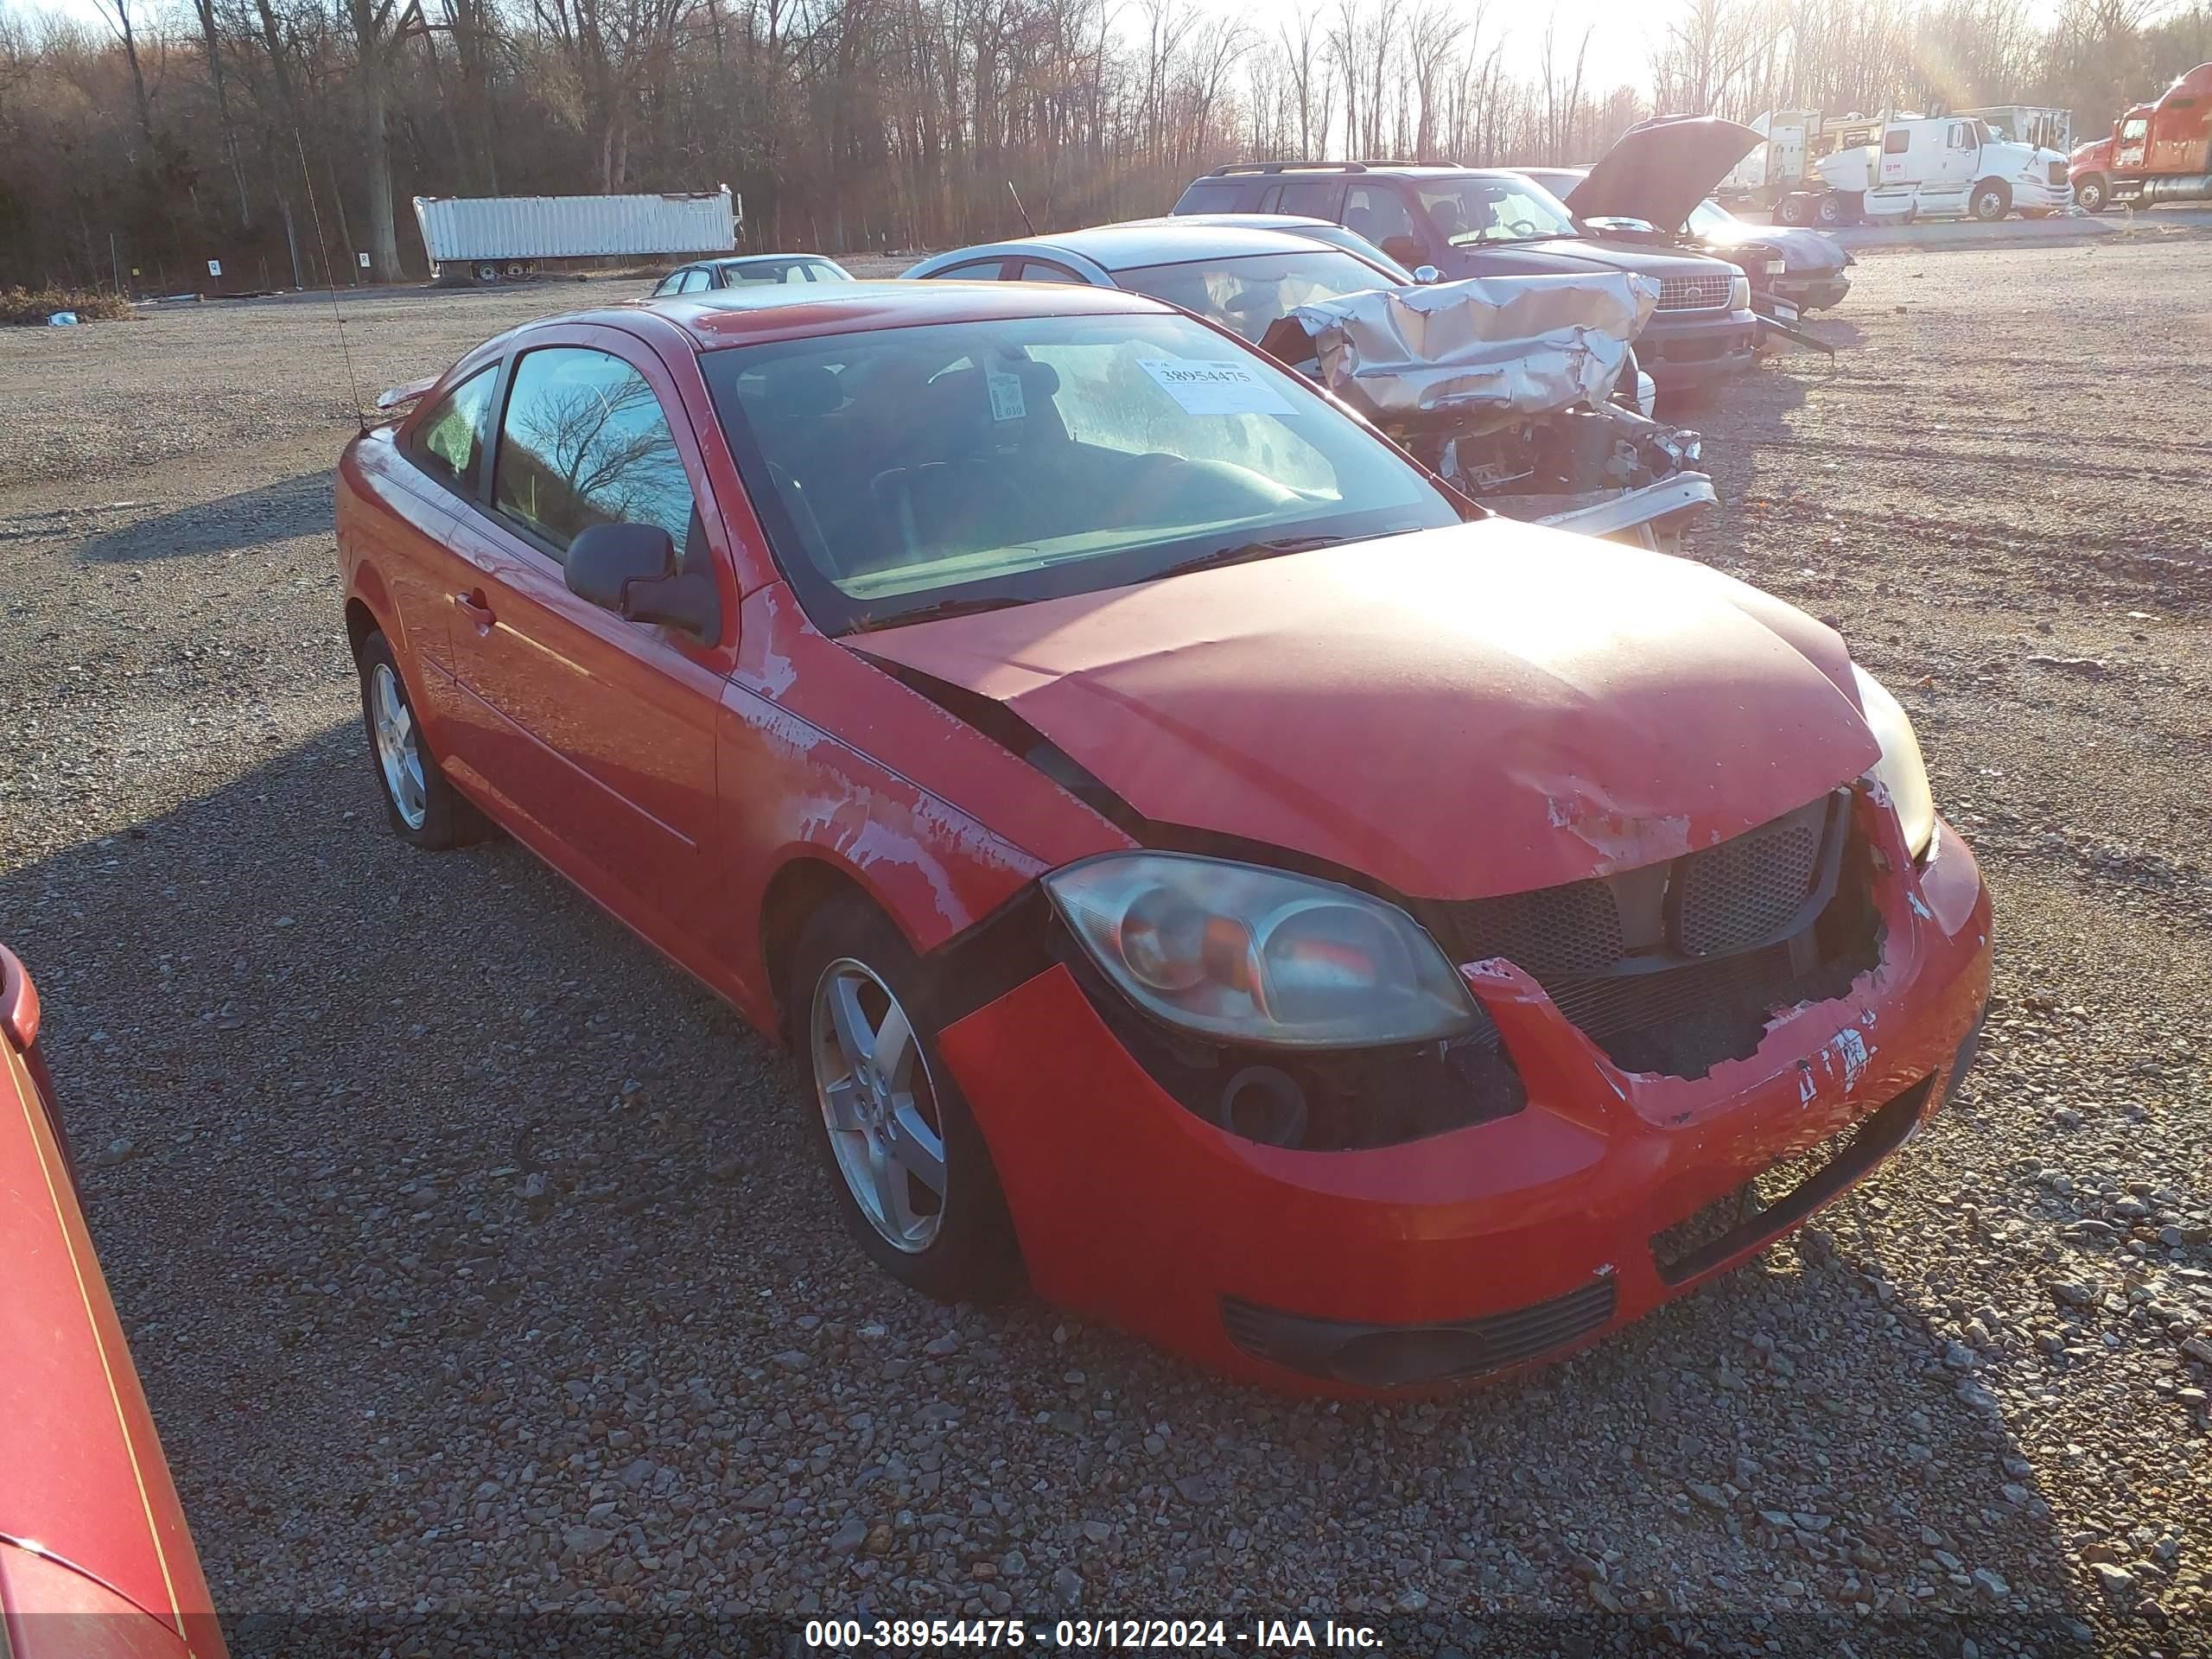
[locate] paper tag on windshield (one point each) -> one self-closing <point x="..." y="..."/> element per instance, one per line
<point x="1006" y="396"/>
<point x="1203" y="387"/>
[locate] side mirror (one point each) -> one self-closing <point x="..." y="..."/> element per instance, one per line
<point x="1426" y="274"/>
<point x="630" y="569"/>
<point x="1403" y="249"/>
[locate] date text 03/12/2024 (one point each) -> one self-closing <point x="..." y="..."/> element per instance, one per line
<point x="1288" y="1636"/>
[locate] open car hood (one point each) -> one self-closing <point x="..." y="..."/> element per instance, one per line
<point x="1457" y="712"/>
<point x="1659" y="169"/>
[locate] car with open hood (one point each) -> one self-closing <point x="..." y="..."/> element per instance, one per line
<point x="1197" y="859"/>
<point x="1654" y="187"/>
<point x="96" y="1561"/>
<point x="1470" y="222"/>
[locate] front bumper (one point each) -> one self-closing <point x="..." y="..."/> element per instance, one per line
<point x="1696" y="349"/>
<point x="1811" y="290"/>
<point x="2032" y="195"/>
<point x="1476" y="1250"/>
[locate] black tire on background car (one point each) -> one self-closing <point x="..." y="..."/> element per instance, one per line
<point x="1992" y="200"/>
<point x="911" y="1173"/>
<point x="422" y="806"/>
<point x="2089" y="192"/>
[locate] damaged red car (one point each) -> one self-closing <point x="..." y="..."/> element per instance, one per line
<point x="1197" y="857"/>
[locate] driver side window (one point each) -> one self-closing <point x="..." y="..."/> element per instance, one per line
<point x="584" y="443"/>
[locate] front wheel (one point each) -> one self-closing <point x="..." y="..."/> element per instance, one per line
<point x="2090" y="195"/>
<point x="1992" y="202"/>
<point x="913" y="1178"/>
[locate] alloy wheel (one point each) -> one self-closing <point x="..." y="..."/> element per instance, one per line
<point x="399" y="749"/>
<point x="879" y="1105"/>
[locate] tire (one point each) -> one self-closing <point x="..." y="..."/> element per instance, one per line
<point x="951" y="1241"/>
<point x="421" y="807"/>
<point x="2091" y="195"/>
<point x="1992" y="200"/>
<point x="487" y="272"/>
<point x="1829" y="210"/>
<point x="1794" y="210"/>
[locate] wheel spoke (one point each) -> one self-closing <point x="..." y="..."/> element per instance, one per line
<point x="915" y="1145"/>
<point x="841" y="1105"/>
<point x="892" y="1050"/>
<point x="854" y="1034"/>
<point x="893" y="1202"/>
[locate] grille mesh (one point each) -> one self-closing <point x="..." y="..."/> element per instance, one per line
<point x="1491" y="1343"/>
<point x="2057" y="174"/>
<point x="1693" y="293"/>
<point x="1575" y="929"/>
<point x="1738" y="893"/>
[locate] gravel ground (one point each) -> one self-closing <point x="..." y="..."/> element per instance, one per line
<point x="490" y="1278"/>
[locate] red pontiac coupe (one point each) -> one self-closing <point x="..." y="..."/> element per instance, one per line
<point x="95" y="1561"/>
<point x="1196" y="857"/>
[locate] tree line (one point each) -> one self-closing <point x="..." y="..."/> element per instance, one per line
<point x="284" y="138"/>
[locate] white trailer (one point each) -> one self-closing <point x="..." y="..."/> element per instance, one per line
<point x="486" y="239"/>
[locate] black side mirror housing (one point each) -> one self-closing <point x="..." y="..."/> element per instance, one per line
<point x="631" y="570"/>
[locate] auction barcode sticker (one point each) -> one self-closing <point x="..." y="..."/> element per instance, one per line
<point x="1203" y="386"/>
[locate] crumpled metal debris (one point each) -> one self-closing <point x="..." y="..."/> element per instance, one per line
<point x="1490" y="349"/>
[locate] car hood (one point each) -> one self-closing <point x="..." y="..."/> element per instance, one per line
<point x="1658" y="171"/>
<point x="1567" y="255"/>
<point x="1801" y="251"/>
<point x="1455" y="713"/>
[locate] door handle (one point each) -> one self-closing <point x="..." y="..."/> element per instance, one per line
<point x="473" y="606"/>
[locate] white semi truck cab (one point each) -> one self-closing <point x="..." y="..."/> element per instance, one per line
<point x="1944" y="165"/>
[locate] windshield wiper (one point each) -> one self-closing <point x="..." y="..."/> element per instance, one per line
<point x="866" y="624"/>
<point x="1244" y="552"/>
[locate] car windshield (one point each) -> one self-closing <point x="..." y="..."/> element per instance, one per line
<point x="1248" y="296"/>
<point x="913" y="472"/>
<point x="1710" y="218"/>
<point x="1467" y="212"/>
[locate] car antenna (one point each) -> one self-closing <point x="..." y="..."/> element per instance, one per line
<point x="1019" y="208"/>
<point x="353" y="387"/>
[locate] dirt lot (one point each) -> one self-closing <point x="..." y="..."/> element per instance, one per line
<point x="473" y="1260"/>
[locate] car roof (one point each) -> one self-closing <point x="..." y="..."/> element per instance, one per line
<point x="1352" y="172"/>
<point x="735" y="316"/>
<point x="1158" y="242"/>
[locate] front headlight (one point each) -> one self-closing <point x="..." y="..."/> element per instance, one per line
<point x="1256" y="956"/>
<point x="1900" y="770"/>
<point x="1739" y="293"/>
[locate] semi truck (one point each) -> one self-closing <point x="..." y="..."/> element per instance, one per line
<point x="1817" y="170"/>
<point x="494" y="238"/>
<point x="2156" y="152"/>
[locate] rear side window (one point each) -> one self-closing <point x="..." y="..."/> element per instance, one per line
<point x="1375" y="212"/>
<point x="695" y="282"/>
<point x="1210" y="196"/>
<point x="585" y="442"/>
<point x="1309" y="198"/>
<point x="975" y="270"/>
<point x="452" y="435"/>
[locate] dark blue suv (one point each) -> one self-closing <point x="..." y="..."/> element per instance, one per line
<point x="1482" y="222"/>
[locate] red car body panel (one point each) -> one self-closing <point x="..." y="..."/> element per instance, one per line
<point x="1487" y="1219"/>
<point x="1452" y="713"/>
<point x="1288" y="701"/>
<point x="90" y="1524"/>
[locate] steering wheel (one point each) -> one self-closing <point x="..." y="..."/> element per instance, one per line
<point x="1521" y="226"/>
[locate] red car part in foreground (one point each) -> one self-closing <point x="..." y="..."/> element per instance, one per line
<point x="1354" y="941"/>
<point x="95" y="1561"/>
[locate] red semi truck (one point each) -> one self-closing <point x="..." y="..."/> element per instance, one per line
<point x="2157" y="152"/>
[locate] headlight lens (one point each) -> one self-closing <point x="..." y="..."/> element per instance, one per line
<point x="1900" y="770"/>
<point x="1739" y="293"/>
<point x="1257" y="956"/>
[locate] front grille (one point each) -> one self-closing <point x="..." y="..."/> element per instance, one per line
<point x="2057" y="174"/>
<point x="1785" y="1192"/>
<point x="1402" y="1356"/>
<point x="1706" y="293"/>
<point x="1675" y="967"/>
<point x="1739" y="894"/>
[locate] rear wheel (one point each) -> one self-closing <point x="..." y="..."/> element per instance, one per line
<point x="423" y="807"/>
<point x="1992" y="200"/>
<point x="1794" y="210"/>
<point x="1829" y="210"/>
<point x="913" y="1178"/>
